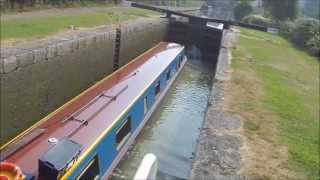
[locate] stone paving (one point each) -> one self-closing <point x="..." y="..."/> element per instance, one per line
<point x="218" y="150"/>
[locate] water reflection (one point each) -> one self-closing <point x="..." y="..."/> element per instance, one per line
<point x="172" y="131"/>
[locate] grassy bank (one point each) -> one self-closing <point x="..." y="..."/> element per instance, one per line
<point x="275" y="87"/>
<point x="47" y="23"/>
<point x="40" y="6"/>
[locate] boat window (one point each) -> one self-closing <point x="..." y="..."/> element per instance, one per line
<point x="168" y="74"/>
<point x="123" y="132"/>
<point x="91" y="171"/>
<point x="157" y="88"/>
<point x="145" y="105"/>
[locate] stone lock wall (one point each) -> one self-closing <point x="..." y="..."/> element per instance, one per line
<point x="38" y="77"/>
<point x="136" y="38"/>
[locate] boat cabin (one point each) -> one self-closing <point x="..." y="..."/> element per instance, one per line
<point x="87" y="137"/>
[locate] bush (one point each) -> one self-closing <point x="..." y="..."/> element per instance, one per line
<point x="286" y="29"/>
<point x="303" y="33"/>
<point x="304" y="30"/>
<point x="241" y="10"/>
<point x="257" y="20"/>
<point x="313" y="45"/>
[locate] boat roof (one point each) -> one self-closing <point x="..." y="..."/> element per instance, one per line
<point x="102" y="105"/>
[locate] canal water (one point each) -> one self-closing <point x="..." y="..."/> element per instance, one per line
<point x="172" y="131"/>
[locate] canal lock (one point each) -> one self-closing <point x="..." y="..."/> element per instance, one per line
<point x="173" y="130"/>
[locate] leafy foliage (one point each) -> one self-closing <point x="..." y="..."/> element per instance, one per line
<point x="257" y="20"/>
<point x="242" y="9"/>
<point x="313" y="45"/>
<point x="282" y="10"/>
<point x="304" y="33"/>
<point x="286" y="28"/>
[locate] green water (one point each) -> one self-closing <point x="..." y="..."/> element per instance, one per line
<point x="172" y="131"/>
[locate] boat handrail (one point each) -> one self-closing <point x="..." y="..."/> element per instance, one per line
<point x="85" y="122"/>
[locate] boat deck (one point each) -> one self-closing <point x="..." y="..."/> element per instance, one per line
<point x="84" y="118"/>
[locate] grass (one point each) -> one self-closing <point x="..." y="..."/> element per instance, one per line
<point x="37" y="6"/>
<point x="193" y="3"/>
<point x="42" y="26"/>
<point x="280" y="101"/>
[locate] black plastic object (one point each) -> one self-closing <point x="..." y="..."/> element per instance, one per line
<point x="58" y="159"/>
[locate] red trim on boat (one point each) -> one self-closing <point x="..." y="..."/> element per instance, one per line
<point x="80" y="121"/>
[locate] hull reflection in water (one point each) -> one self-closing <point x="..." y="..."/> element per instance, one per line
<point x="172" y="131"/>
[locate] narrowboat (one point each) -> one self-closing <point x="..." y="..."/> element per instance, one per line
<point x="86" y="138"/>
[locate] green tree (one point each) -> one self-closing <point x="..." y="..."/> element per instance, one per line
<point x="242" y="9"/>
<point x="282" y="10"/>
<point x="312" y="8"/>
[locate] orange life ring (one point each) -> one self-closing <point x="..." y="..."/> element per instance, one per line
<point x="10" y="171"/>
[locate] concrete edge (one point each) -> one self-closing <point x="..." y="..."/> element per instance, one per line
<point x="217" y="153"/>
<point x="225" y="55"/>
